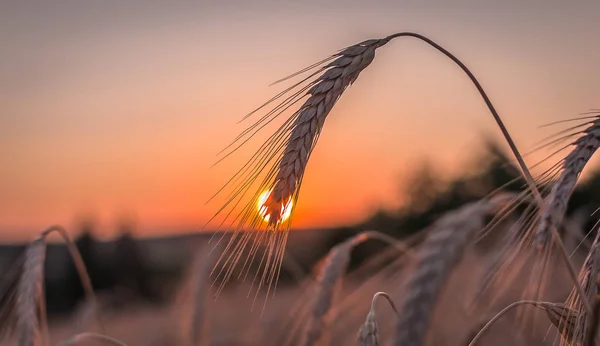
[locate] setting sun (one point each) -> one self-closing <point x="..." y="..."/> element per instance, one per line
<point x="286" y="210"/>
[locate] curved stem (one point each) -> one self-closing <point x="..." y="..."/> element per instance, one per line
<point x="527" y="175"/>
<point x="500" y="314"/>
<point x="387" y="297"/>
<point x="524" y="170"/>
<point x="84" y="277"/>
<point x="86" y="282"/>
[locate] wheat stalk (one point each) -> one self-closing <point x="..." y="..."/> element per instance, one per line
<point x="553" y="211"/>
<point x="283" y="158"/>
<point x="28" y="302"/>
<point x="436" y="258"/>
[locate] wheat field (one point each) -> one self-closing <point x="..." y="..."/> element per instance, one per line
<point x="508" y="268"/>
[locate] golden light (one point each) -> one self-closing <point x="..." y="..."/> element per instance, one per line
<point x="286" y="210"/>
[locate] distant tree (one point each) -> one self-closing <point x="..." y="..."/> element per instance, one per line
<point x="130" y="267"/>
<point x="421" y="189"/>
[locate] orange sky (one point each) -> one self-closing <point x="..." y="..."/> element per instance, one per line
<point x="119" y="109"/>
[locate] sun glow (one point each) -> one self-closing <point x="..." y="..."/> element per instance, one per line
<point x="286" y="210"/>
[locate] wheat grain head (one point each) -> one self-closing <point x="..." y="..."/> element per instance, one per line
<point x="368" y="334"/>
<point x="435" y="260"/>
<point x="24" y="307"/>
<point x="30" y="304"/>
<point x="555" y="206"/>
<point x="286" y="153"/>
<point x="333" y="268"/>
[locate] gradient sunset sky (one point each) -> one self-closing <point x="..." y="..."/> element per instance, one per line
<point x="111" y="108"/>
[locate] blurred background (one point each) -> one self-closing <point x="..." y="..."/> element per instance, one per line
<point x="113" y="112"/>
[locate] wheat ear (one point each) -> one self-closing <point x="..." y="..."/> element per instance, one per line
<point x="289" y="148"/>
<point x="301" y="312"/>
<point x="436" y="258"/>
<point x="368" y="334"/>
<point x="30" y="306"/>
<point x="333" y="269"/>
<point x="553" y="212"/>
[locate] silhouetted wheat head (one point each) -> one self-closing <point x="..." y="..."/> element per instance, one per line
<point x="553" y="212"/>
<point x="537" y="224"/>
<point x="23" y="301"/>
<point x="264" y="218"/>
<point x="436" y="258"/>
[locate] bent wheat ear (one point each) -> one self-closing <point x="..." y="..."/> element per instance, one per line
<point x="286" y="153"/>
<point x="332" y="271"/>
<point x="553" y="210"/>
<point x="26" y="300"/>
<point x="368" y="334"/>
<point x="325" y="92"/>
<point x="436" y="258"/>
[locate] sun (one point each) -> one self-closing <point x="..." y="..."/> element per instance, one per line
<point x="286" y="210"/>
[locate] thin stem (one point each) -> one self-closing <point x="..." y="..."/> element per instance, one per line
<point x="500" y="314"/>
<point x="524" y="170"/>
